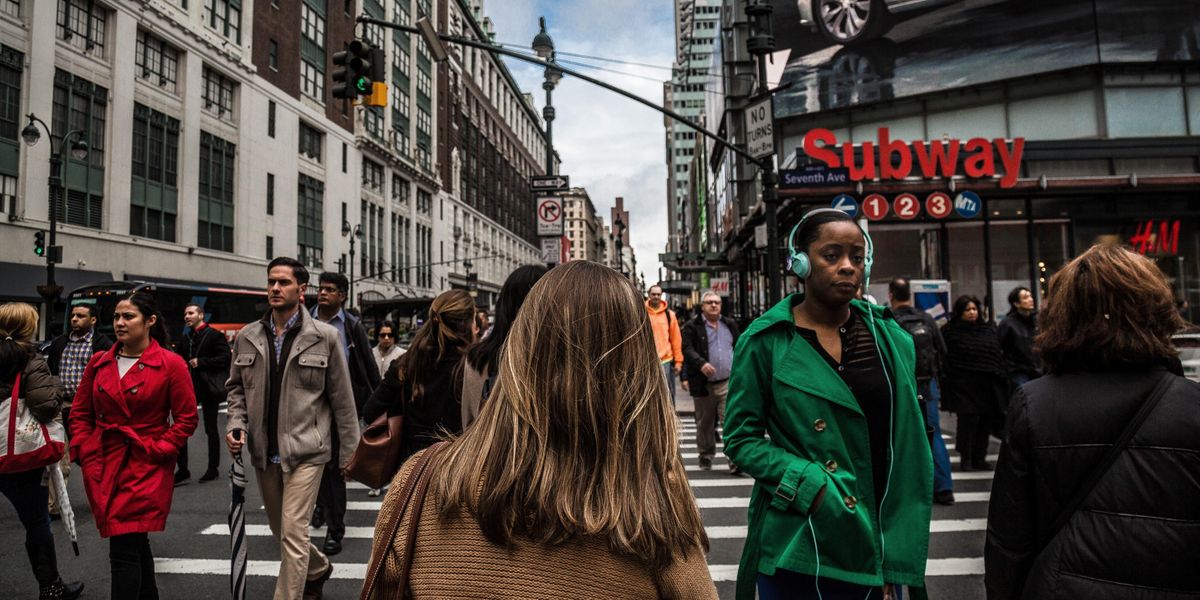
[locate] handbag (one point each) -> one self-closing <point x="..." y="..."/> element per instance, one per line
<point x="413" y="497"/>
<point x="27" y="443"/>
<point x="1100" y="468"/>
<point x="377" y="457"/>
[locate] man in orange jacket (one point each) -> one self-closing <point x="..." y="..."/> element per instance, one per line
<point x="667" y="340"/>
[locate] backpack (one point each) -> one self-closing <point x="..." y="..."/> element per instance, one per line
<point x="922" y="334"/>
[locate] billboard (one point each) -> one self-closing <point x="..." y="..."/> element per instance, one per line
<point x="844" y="54"/>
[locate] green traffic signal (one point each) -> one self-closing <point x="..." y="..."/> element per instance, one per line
<point x="363" y="85"/>
<point x="39" y="243"/>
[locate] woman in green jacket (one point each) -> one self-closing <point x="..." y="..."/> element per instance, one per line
<point x="823" y="413"/>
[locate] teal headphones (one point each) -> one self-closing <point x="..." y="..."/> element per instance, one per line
<point x="801" y="265"/>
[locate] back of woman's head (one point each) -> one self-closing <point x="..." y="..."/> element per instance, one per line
<point x="578" y="438"/>
<point x="18" y="325"/>
<point x="446" y="333"/>
<point x="486" y="354"/>
<point x="1107" y="309"/>
<point x="147" y="306"/>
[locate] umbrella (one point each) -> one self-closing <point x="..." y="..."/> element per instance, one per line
<point x="64" y="505"/>
<point x="237" y="529"/>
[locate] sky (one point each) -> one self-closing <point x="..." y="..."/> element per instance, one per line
<point x="608" y="144"/>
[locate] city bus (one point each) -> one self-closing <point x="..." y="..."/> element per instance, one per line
<point x="226" y="309"/>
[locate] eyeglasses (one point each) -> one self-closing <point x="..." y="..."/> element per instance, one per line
<point x="328" y="290"/>
<point x="386" y="335"/>
<point x="712" y="301"/>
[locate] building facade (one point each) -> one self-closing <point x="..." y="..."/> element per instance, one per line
<point x="584" y="227"/>
<point x="996" y="181"/>
<point x="215" y="144"/>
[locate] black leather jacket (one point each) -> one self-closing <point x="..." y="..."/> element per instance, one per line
<point x="1138" y="534"/>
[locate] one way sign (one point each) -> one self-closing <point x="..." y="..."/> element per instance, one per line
<point x="549" y="183"/>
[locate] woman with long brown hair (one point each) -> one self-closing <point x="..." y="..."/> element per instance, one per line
<point x="1096" y="487"/>
<point x="569" y="484"/>
<point x="425" y="383"/>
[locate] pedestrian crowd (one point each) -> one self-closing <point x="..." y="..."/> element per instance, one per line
<point x="535" y="453"/>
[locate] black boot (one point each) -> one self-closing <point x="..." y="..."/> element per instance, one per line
<point x="45" y="569"/>
<point x="964" y="441"/>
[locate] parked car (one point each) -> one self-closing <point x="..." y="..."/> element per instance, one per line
<point x="848" y="22"/>
<point x="1189" y="353"/>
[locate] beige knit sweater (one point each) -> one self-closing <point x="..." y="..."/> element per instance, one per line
<point x="453" y="559"/>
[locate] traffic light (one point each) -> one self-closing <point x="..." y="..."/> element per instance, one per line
<point x="352" y="71"/>
<point x="379" y="91"/>
<point x="39" y="243"/>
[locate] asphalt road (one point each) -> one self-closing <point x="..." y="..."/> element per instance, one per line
<point x="192" y="554"/>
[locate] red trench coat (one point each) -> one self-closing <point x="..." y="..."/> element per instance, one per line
<point x="121" y="437"/>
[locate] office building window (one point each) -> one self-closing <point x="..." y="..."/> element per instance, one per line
<point x="12" y="63"/>
<point x="82" y="24"/>
<point x="270" y="118"/>
<point x="11" y="8"/>
<point x="270" y="247"/>
<point x="312" y="81"/>
<point x="312" y="49"/>
<point x="218" y="94"/>
<point x="270" y="193"/>
<point x="424" y="202"/>
<point x="217" y="182"/>
<point x="372" y="177"/>
<point x="224" y="17"/>
<point x="157" y="61"/>
<point x="309" y="224"/>
<point x="311" y="140"/>
<point x="273" y="55"/>
<point x="81" y="105"/>
<point x="371" y="218"/>
<point x="400" y="191"/>
<point x="154" y="193"/>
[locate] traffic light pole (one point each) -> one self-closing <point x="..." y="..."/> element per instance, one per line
<point x="52" y="288"/>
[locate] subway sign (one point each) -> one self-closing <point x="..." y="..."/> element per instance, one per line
<point x="897" y="159"/>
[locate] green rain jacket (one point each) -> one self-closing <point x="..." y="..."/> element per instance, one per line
<point x="792" y="424"/>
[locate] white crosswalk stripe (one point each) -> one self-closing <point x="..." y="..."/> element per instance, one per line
<point x="721" y="498"/>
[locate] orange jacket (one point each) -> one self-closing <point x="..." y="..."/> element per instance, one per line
<point x="667" y="340"/>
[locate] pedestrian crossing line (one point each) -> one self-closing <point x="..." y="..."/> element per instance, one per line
<point x="934" y="567"/>
<point x="254" y="568"/>
<point x="367" y="533"/>
<point x="953" y="459"/>
<point x="737" y="532"/>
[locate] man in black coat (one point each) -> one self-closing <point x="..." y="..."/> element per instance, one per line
<point x="364" y="378"/>
<point x="708" y="341"/>
<point x="1017" y="331"/>
<point x="68" y="356"/>
<point x="206" y="352"/>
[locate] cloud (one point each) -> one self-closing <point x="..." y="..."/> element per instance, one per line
<point x="608" y="144"/>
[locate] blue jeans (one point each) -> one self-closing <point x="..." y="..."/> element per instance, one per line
<point x="789" y="585"/>
<point x="28" y="497"/>
<point x="941" y="457"/>
<point x="669" y="372"/>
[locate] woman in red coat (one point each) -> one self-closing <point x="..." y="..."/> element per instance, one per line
<point x="125" y="443"/>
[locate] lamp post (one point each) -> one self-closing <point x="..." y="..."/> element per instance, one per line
<point x="761" y="43"/>
<point x="619" y="226"/>
<point x="79" y="151"/>
<point x="543" y="46"/>
<point x="346" y="231"/>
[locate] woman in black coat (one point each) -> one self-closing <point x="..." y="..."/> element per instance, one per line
<point x="975" y="380"/>
<point x="1105" y="341"/>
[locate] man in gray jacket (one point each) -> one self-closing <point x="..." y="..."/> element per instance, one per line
<point x="288" y="383"/>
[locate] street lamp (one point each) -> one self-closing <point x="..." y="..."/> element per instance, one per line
<point x="619" y="226"/>
<point x="543" y="46"/>
<point x="358" y="233"/>
<point x="79" y="151"/>
<point x="761" y="43"/>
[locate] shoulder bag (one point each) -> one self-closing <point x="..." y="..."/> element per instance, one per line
<point x="413" y="497"/>
<point x="1098" y="471"/>
<point x="26" y="443"/>
<point x="377" y="457"/>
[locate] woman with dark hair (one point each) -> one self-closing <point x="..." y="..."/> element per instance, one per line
<point x="570" y="484"/>
<point x="975" y="380"/>
<point x="483" y="359"/>
<point x="1096" y="490"/>
<point x="823" y="413"/>
<point x="23" y="371"/>
<point x="135" y="408"/>
<point x="426" y="382"/>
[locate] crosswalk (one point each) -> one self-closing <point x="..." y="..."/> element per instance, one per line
<point x="955" y="565"/>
